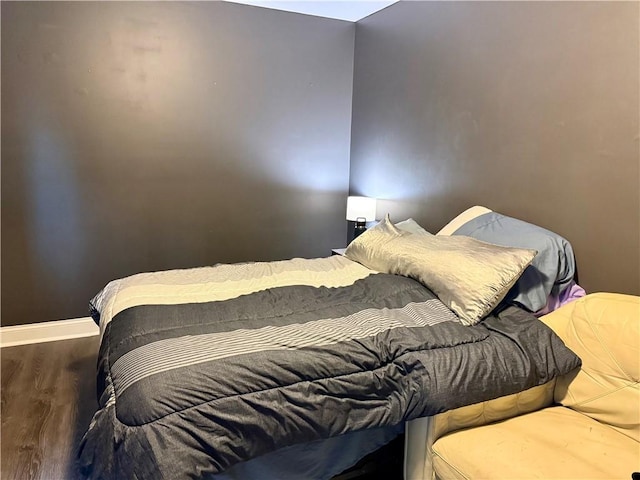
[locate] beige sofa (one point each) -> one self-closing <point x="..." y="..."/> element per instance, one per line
<point x="584" y="425"/>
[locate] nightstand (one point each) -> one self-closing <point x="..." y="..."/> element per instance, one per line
<point x="338" y="251"/>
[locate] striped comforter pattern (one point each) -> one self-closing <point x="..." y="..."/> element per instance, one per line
<point x="201" y="369"/>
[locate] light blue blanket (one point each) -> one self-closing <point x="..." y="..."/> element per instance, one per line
<point x="551" y="271"/>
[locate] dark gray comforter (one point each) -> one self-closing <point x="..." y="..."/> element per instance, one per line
<point x="194" y="388"/>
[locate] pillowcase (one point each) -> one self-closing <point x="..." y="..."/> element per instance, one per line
<point x="469" y="276"/>
<point x="369" y="247"/>
<point x="552" y="270"/>
<point x="411" y="226"/>
<point x="464" y="217"/>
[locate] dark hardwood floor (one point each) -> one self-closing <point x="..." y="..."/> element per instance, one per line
<point x="47" y="401"/>
<point x="48" y="397"/>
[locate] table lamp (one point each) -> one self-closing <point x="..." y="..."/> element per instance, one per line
<point x="361" y="210"/>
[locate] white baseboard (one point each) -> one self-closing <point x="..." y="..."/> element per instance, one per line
<point x="14" y="335"/>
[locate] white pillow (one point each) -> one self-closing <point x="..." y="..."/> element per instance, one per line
<point x="411" y="226"/>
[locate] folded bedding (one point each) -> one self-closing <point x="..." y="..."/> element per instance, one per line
<point x="201" y="369"/>
<point x="551" y="273"/>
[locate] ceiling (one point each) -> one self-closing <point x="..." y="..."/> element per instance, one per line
<point x="350" y="10"/>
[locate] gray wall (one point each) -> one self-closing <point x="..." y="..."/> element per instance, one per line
<point x="152" y="135"/>
<point x="528" y="108"/>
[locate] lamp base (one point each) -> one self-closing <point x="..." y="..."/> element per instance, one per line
<point x="360" y="227"/>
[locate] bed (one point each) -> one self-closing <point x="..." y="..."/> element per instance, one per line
<point x="298" y="368"/>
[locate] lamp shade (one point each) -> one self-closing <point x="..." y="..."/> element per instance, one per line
<point x="361" y="207"/>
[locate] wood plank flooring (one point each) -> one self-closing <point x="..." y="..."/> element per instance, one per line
<point x="47" y="401"/>
<point x="48" y="397"/>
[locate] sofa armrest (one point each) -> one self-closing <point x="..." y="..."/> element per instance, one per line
<point x="421" y="434"/>
<point x="603" y="329"/>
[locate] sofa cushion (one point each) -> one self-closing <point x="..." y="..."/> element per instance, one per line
<point x="603" y="329"/>
<point x="552" y="443"/>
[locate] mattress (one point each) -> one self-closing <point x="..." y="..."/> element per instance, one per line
<point x="202" y="369"/>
